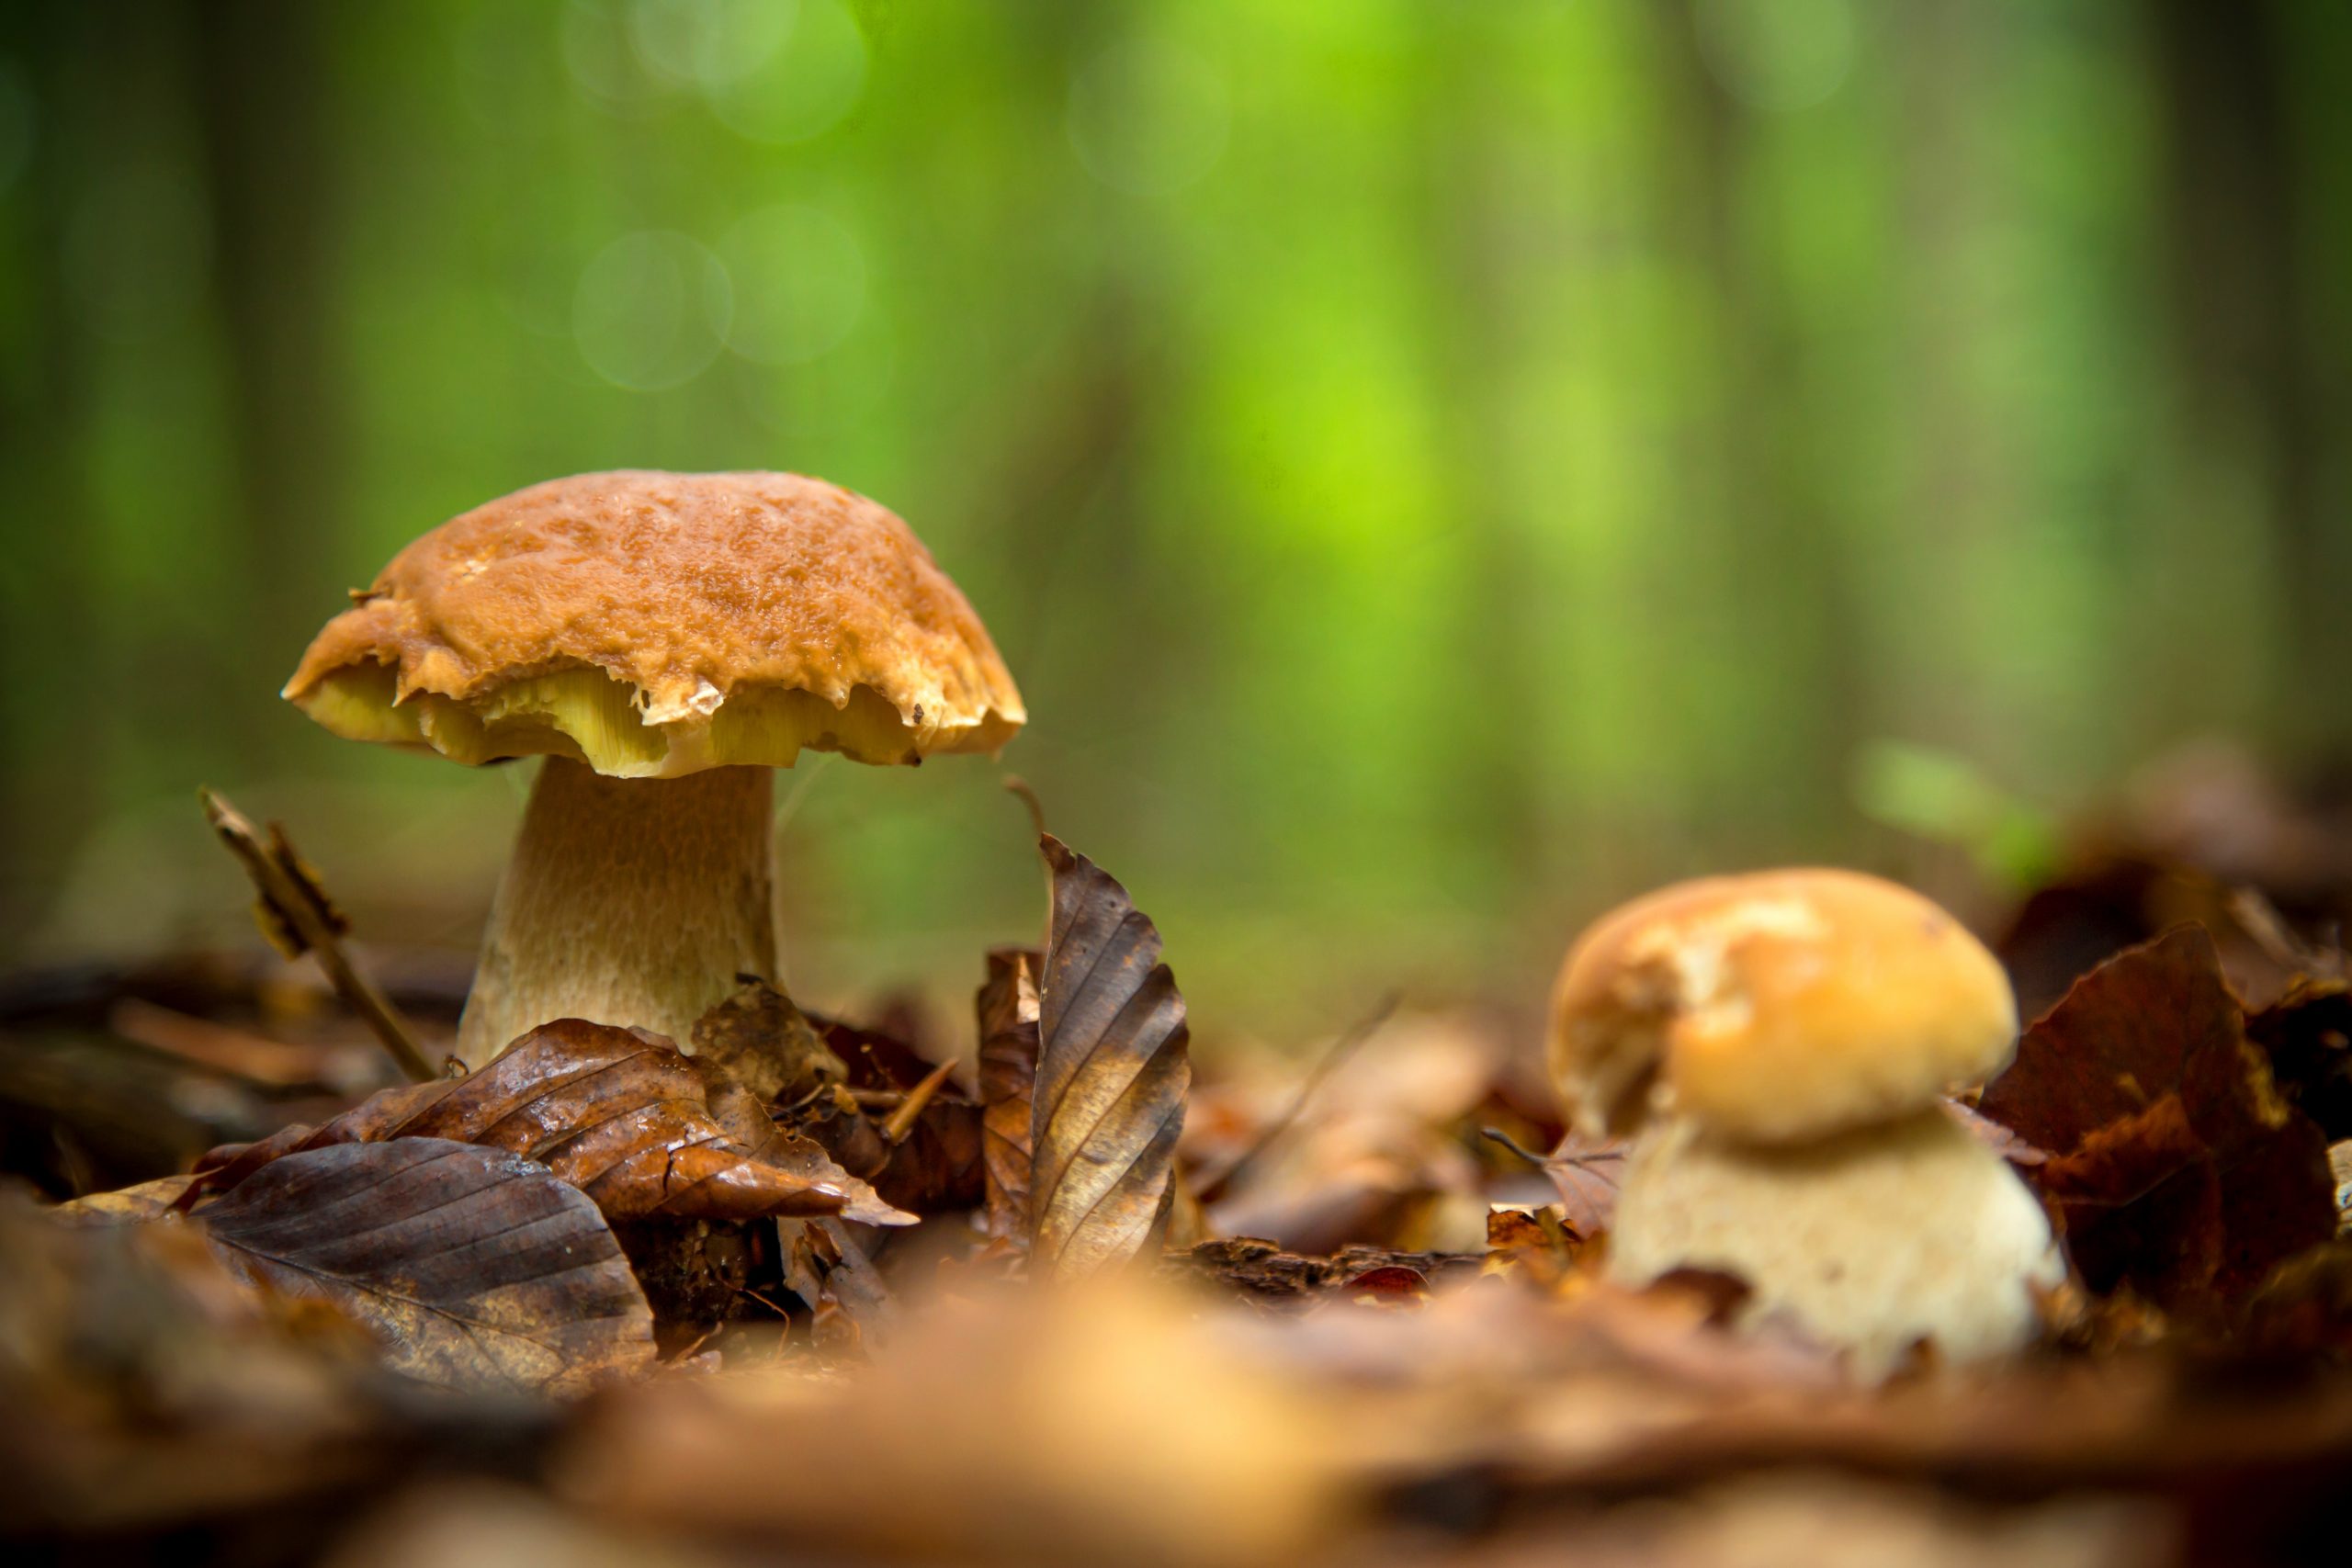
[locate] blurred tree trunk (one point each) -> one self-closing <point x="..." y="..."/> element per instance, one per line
<point x="1464" y="185"/>
<point x="2248" y="331"/>
<point x="261" y="75"/>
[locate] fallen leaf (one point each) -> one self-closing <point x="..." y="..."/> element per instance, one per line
<point x="1008" y="1013"/>
<point x="2307" y="1035"/>
<point x="474" y="1268"/>
<point x="758" y="1039"/>
<point x="128" y="1205"/>
<point x="1389" y="1285"/>
<point x="1588" y="1172"/>
<point x="1112" y="1076"/>
<point x="1537" y="1242"/>
<point x="1262" y="1274"/>
<point x="851" y="1308"/>
<point x="2176" y="1166"/>
<point x="619" y="1113"/>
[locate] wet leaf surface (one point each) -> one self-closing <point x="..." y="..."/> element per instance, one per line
<point x="474" y="1268"/>
<point x="2176" y="1166"/>
<point x="1112" y="1077"/>
<point x="618" y="1112"/>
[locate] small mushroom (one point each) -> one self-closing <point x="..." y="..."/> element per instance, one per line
<point x="1781" y="1044"/>
<point x="664" y="640"/>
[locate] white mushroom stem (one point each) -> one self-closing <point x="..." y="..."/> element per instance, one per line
<point x="1869" y="1242"/>
<point x="626" y="901"/>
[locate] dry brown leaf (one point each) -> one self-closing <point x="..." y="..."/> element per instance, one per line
<point x="618" y="1112"/>
<point x="128" y="1205"/>
<point x="1008" y="1013"/>
<point x="474" y="1268"/>
<point x="2175" y="1165"/>
<point x="1588" y="1172"/>
<point x="1112" y="1077"/>
<point x="760" y="1040"/>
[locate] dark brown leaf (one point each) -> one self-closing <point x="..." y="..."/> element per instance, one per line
<point x="2175" y="1165"/>
<point x="475" y="1269"/>
<point x="1008" y="1013"/>
<point x="758" y="1038"/>
<point x="618" y="1112"/>
<point x="2307" y="1035"/>
<point x="1112" y="1077"/>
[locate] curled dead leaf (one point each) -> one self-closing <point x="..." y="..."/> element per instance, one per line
<point x="1112" y="1077"/>
<point x="2175" y="1165"/>
<point x="1008" y="1014"/>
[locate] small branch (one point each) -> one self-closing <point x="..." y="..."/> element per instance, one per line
<point x="902" y="1120"/>
<point x="296" y="916"/>
<point x="1015" y="784"/>
<point x="1496" y="1135"/>
<point x="1212" y="1187"/>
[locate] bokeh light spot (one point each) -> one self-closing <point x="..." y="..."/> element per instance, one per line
<point x="604" y="59"/>
<point x="652" y="310"/>
<point x="1777" y="55"/>
<point x="1149" y="118"/>
<point x="804" y="85"/>
<point x="711" y="42"/>
<point x="799" y="277"/>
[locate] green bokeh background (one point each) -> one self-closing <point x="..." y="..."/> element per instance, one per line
<point x="1433" y="467"/>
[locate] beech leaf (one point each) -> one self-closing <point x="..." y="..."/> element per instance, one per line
<point x="2175" y="1162"/>
<point x="1112" y="1077"/>
<point x="475" y="1269"/>
<point x="1008" y="1013"/>
<point x="619" y="1113"/>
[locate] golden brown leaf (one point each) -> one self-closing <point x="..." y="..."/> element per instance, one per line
<point x="618" y="1112"/>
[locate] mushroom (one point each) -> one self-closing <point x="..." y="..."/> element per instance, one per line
<point x="1782" y="1044"/>
<point x="663" y="640"/>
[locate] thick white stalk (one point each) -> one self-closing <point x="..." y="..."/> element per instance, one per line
<point x="627" y="901"/>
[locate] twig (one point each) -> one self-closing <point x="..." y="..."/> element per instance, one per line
<point x="1214" y="1188"/>
<point x="2260" y="919"/>
<point x="902" y="1120"/>
<point x="296" y="916"/>
<point x="1495" y="1134"/>
<point x="1015" y="784"/>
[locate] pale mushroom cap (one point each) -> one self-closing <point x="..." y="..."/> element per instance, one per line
<point x="1774" y="1006"/>
<point x="652" y="624"/>
<point x="1869" y="1242"/>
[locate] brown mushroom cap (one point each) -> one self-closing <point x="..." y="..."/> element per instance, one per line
<point x="1776" y="1006"/>
<point x="652" y="624"/>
